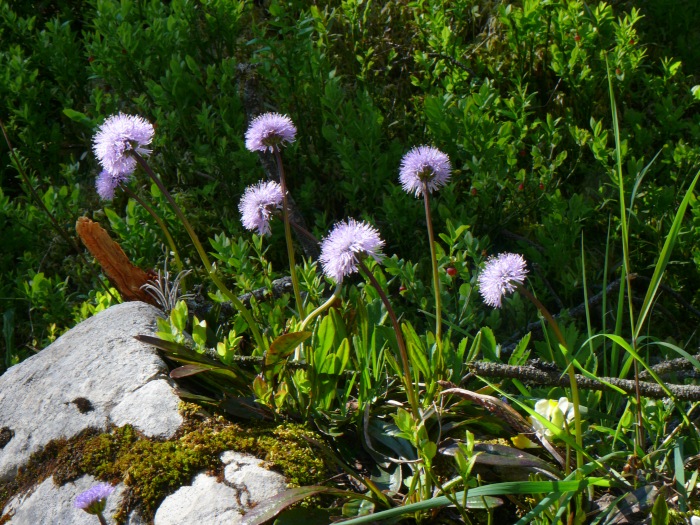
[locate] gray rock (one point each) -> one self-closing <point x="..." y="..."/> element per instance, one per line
<point x="205" y="501"/>
<point x="48" y="504"/>
<point x="246" y="484"/>
<point x="253" y="482"/>
<point x="93" y="375"/>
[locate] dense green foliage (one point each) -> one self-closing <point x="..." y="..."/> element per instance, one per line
<point x="518" y="95"/>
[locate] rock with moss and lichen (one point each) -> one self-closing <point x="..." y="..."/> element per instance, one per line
<point x="97" y="405"/>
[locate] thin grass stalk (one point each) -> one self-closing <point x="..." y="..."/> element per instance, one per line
<point x="436" y="281"/>
<point x="203" y="254"/>
<point x="288" y="235"/>
<point x="626" y="255"/>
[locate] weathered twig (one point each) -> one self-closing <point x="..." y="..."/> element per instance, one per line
<point x="669" y="367"/>
<point x="534" y="375"/>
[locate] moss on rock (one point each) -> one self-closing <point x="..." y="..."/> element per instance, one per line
<point x="152" y="469"/>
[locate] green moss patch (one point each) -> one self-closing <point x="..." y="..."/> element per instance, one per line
<point x="153" y="469"/>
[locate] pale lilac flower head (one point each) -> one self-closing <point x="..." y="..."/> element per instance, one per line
<point x="119" y="135"/>
<point x="94" y="500"/>
<point x="424" y="166"/>
<point x="258" y="203"/>
<point x="268" y="131"/>
<point x="500" y="276"/>
<point x="348" y="241"/>
<point x="106" y="184"/>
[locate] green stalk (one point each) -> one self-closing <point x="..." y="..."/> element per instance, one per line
<point x="626" y="255"/>
<point x="436" y="280"/>
<point x="288" y="235"/>
<point x="570" y="370"/>
<point x="317" y="311"/>
<point x="161" y="224"/>
<point x="410" y="393"/>
<point x="203" y="254"/>
<point x="323" y="307"/>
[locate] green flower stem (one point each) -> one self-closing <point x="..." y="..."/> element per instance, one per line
<point x="323" y="307"/>
<point x="288" y="235"/>
<point x="436" y="281"/>
<point x="161" y="224"/>
<point x="410" y="393"/>
<point x="570" y="370"/>
<point x="203" y="254"/>
<point x="317" y="311"/>
<point x="102" y="519"/>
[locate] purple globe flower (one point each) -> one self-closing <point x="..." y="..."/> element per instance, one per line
<point x="257" y="205"/>
<point x="500" y="276"/>
<point x="94" y="500"/>
<point x="268" y="131"/>
<point x="347" y="242"/>
<point x="106" y="184"/>
<point x="424" y="166"/>
<point x="119" y="135"/>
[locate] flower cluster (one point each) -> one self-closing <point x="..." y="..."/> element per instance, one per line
<point x="268" y="131"/>
<point x="257" y="205"/>
<point x="500" y="276"/>
<point x="424" y="167"/>
<point x="94" y="500"/>
<point x="347" y="242"/>
<point x="116" y="138"/>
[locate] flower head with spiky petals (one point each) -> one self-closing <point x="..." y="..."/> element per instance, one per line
<point x="268" y="131"/>
<point x="424" y="167"/>
<point x="257" y="205"/>
<point x="119" y="135"/>
<point x="94" y="500"/>
<point x="106" y="184"/>
<point x="348" y="241"/>
<point x="500" y="276"/>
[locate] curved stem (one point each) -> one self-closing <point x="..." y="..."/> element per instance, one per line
<point x="323" y="307"/>
<point x="570" y="370"/>
<point x="410" y="393"/>
<point x="288" y="236"/>
<point x="436" y="280"/>
<point x="317" y="311"/>
<point x="161" y="224"/>
<point x="203" y="254"/>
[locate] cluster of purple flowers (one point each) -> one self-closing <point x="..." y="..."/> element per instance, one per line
<point x="423" y="169"/>
<point x="116" y="138"/>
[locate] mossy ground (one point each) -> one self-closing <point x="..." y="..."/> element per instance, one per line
<point x="153" y="469"/>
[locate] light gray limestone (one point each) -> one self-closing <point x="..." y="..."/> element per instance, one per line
<point x="93" y="375"/>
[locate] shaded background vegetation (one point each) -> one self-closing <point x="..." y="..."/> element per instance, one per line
<point x="516" y="94"/>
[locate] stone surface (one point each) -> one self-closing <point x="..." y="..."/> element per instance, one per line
<point x="205" y="501"/>
<point x="246" y="483"/>
<point x="48" y="504"/>
<point x="93" y="375"/>
<point x="253" y="482"/>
